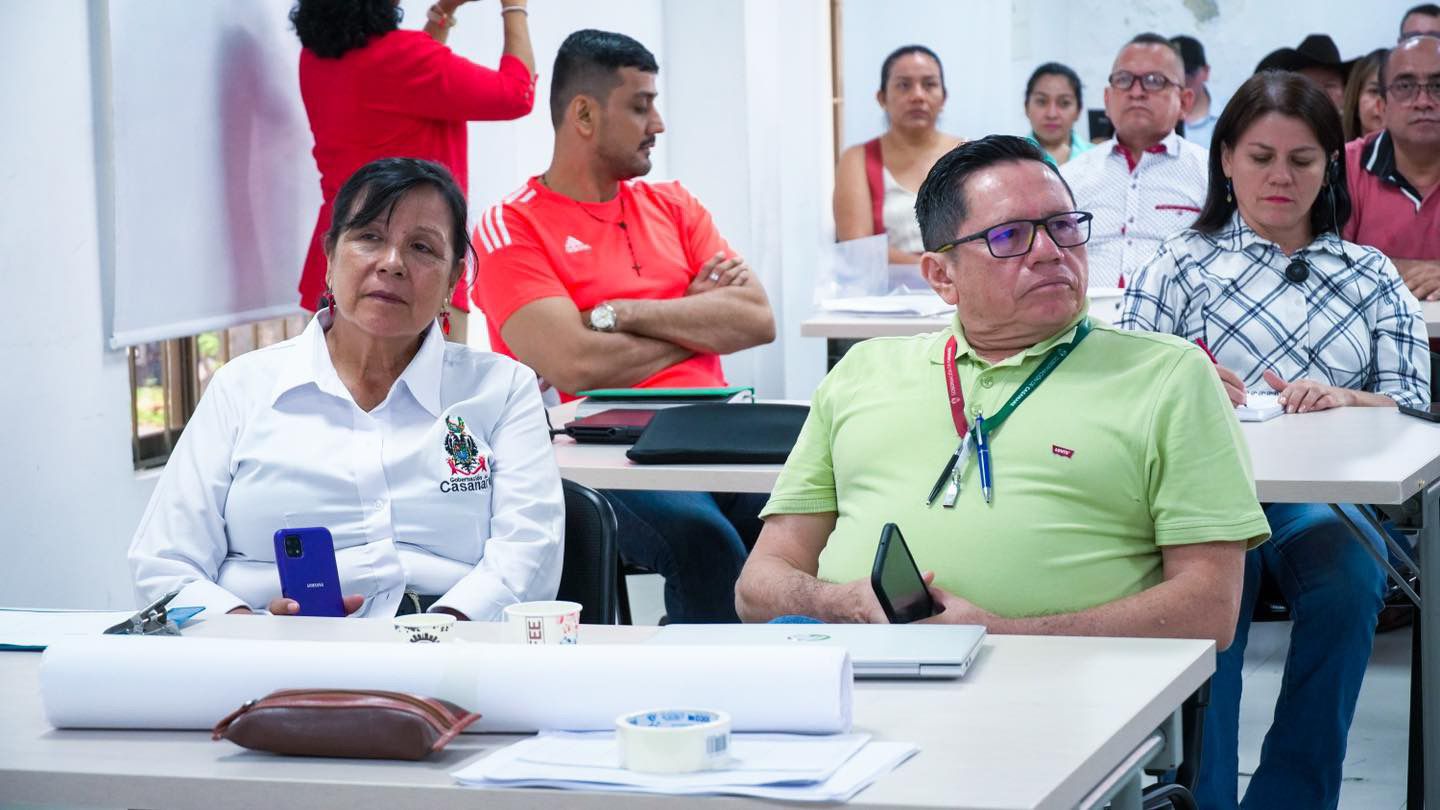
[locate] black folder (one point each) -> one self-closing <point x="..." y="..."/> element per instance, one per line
<point x="736" y="433"/>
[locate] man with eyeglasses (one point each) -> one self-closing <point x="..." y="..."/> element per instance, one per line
<point x="1146" y="182"/>
<point x="1395" y="173"/>
<point x="1116" y="499"/>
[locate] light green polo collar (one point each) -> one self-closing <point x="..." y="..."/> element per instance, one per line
<point x="962" y="346"/>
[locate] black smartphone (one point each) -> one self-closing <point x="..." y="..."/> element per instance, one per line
<point x="1430" y="413"/>
<point x="896" y="580"/>
<point x="1100" y="127"/>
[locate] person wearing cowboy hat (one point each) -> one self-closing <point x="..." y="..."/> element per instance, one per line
<point x="1316" y="59"/>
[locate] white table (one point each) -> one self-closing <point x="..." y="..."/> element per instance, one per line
<point x="1037" y="723"/>
<point x="836" y="326"/>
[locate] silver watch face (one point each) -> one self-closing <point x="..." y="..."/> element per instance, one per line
<point x="602" y="318"/>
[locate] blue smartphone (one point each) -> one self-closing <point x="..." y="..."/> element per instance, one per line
<point x="897" y="581"/>
<point x="306" y="559"/>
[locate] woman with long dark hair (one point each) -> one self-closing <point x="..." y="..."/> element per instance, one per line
<point x="876" y="182"/>
<point x="372" y="91"/>
<point x="1287" y="308"/>
<point x="1360" y="114"/>
<point x="1053" y="104"/>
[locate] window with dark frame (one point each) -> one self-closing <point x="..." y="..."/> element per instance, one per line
<point x="168" y="377"/>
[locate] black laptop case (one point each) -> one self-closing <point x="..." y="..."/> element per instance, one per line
<point x="735" y="433"/>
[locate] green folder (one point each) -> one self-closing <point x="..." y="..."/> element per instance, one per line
<point x="642" y="394"/>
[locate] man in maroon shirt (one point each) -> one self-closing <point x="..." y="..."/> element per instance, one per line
<point x="1395" y="173"/>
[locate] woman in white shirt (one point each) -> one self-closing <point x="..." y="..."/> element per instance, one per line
<point x="429" y="463"/>
<point x="875" y="182"/>
<point x="1289" y="309"/>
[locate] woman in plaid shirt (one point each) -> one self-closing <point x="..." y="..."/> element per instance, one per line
<point x="1289" y="309"/>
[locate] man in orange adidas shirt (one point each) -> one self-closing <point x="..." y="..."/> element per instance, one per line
<point x="598" y="280"/>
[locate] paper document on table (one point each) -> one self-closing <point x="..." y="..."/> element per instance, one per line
<point x="34" y="630"/>
<point x="776" y="766"/>
<point x="919" y="304"/>
<point x="852" y="267"/>
<point x="1259" y="407"/>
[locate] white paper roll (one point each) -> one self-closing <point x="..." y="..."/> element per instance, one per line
<point x="181" y="683"/>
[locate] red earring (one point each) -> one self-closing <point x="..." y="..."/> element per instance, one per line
<point x="445" y="321"/>
<point x="327" y="300"/>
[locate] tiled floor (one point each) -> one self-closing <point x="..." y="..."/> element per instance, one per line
<point x="1375" y="764"/>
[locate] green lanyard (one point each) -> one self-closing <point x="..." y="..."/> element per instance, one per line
<point x="954" y="468"/>
<point x="1052" y="361"/>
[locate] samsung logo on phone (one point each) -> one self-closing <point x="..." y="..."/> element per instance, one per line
<point x="314" y="585"/>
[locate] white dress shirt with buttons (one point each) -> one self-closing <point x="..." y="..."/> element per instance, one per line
<point x="1135" y="210"/>
<point x="278" y="442"/>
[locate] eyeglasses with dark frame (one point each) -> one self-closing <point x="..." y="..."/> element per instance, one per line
<point x="1406" y="90"/>
<point x="1152" y="82"/>
<point x="1016" y="237"/>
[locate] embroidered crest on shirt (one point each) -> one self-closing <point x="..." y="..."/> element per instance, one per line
<point x="468" y="470"/>
<point x="573" y="245"/>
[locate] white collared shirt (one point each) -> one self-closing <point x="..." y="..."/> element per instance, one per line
<point x="1135" y="210"/>
<point x="278" y="442"/>
<point x="1351" y="323"/>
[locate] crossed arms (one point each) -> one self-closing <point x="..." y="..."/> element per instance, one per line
<point x="724" y="310"/>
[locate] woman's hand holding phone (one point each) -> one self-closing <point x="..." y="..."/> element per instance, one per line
<point x="280" y="606"/>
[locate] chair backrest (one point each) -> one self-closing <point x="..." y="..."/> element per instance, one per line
<point x="1434" y="374"/>
<point x="590" y="571"/>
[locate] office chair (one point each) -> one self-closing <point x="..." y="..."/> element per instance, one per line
<point x="590" y="573"/>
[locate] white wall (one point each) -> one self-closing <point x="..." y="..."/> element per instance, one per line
<point x="69" y="498"/>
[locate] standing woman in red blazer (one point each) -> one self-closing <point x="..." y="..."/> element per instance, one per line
<point x="372" y="90"/>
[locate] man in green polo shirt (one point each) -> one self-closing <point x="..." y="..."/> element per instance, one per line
<point x="1120" y="499"/>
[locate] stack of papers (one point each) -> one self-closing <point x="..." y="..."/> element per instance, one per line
<point x="33" y="630"/>
<point x="793" y="767"/>
<point x="919" y="304"/>
<point x="1259" y="407"/>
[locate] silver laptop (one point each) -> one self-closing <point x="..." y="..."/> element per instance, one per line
<point x="942" y="651"/>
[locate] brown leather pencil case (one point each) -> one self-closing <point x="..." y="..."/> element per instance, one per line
<point x="361" y="723"/>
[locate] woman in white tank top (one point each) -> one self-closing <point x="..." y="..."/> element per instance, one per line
<point x="875" y="182"/>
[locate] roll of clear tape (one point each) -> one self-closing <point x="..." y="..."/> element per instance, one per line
<point x="673" y="740"/>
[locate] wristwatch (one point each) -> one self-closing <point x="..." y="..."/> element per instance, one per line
<point x="602" y="317"/>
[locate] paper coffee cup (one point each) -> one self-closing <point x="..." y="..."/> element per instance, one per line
<point x="543" y="623"/>
<point x="425" y="627"/>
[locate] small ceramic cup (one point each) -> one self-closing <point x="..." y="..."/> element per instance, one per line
<point x="543" y="623"/>
<point x="425" y="627"/>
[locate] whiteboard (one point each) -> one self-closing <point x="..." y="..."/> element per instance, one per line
<point x="213" y="187"/>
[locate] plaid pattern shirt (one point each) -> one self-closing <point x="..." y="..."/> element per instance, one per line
<point x="1352" y="323"/>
